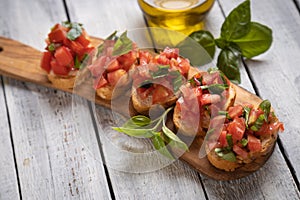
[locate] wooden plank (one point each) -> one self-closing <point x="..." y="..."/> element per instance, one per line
<point x="273" y="180"/>
<point x="52" y="155"/>
<point x="276" y="73"/>
<point x="8" y="178"/>
<point x="170" y="182"/>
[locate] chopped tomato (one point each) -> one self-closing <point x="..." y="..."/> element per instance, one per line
<point x="59" y="69"/>
<point x="235" y="111"/>
<point x="160" y="94"/>
<point x="83" y="40"/>
<point x="144" y="92"/>
<point x="237" y="129"/>
<point x="115" y="76"/>
<point x="100" y="83"/>
<point x="58" y="34"/>
<point x="145" y="57"/>
<point x="171" y="52"/>
<point x="163" y="60"/>
<point x="239" y="151"/>
<point x="254" y="144"/>
<point x="127" y="60"/>
<point x="113" y="66"/>
<point x="209" y="98"/>
<point x="45" y="62"/>
<point x="183" y="65"/>
<point x="222" y="139"/>
<point x="64" y="56"/>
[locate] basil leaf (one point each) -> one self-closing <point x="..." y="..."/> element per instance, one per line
<point x="228" y="62"/>
<point x="266" y="107"/>
<point x="75" y="31"/>
<point x="246" y="115"/>
<point x="229" y="140"/>
<point x="177" y="81"/>
<point x="77" y="63"/>
<point x="256" y="41"/>
<point x="51" y="47"/>
<point x="159" y="145"/>
<point x="222" y="112"/>
<point x="140" y="120"/>
<point x="206" y="40"/>
<point x="112" y="36"/>
<point x="163" y="70"/>
<point x="237" y="23"/>
<point x="135" y="132"/>
<point x="123" y="45"/>
<point x="178" y="142"/>
<point x="244" y="142"/>
<point x="258" y="123"/>
<point x="215" y="88"/>
<point x="229" y="157"/>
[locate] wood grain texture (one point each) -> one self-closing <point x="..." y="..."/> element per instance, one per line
<point x="52" y="160"/>
<point x="279" y="68"/>
<point x="8" y="178"/>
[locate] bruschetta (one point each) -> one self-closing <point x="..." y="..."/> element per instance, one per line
<point x="205" y="94"/>
<point x="241" y="135"/>
<point x="110" y="68"/>
<point x="158" y="78"/>
<point x="68" y="45"/>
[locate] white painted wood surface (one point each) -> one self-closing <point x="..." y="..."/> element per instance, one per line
<point x="54" y="138"/>
<point x="8" y="177"/>
<point x="52" y="160"/>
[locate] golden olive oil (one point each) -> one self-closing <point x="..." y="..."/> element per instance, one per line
<point x="185" y="16"/>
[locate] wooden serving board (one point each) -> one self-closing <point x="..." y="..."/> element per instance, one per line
<point x="22" y="62"/>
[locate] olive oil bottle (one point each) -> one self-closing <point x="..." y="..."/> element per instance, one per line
<point x="185" y="16"/>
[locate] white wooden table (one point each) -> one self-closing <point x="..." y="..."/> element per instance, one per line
<point x="42" y="157"/>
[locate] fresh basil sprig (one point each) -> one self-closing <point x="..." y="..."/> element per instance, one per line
<point x="240" y="37"/>
<point x="265" y="106"/>
<point x="142" y="127"/>
<point x="123" y="45"/>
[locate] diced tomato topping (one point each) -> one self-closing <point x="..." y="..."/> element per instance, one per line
<point x="235" y="111"/>
<point x="237" y="129"/>
<point x="83" y="40"/>
<point x="239" y="151"/>
<point x="59" y="69"/>
<point x="127" y="60"/>
<point x="64" y="56"/>
<point x="254" y="144"/>
<point x="115" y="76"/>
<point x="58" y="34"/>
<point x="113" y="66"/>
<point x="160" y="94"/>
<point x="171" y="52"/>
<point x="100" y="83"/>
<point x="209" y="98"/>
<point x="145" y="57"/>
<point x="183" y="65"/>
<point x="144" y="92"/>
<point x="45" y="62"/>
<point x="222" y="139"/>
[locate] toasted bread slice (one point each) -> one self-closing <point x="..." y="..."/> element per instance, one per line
<point x="66" y="82"/>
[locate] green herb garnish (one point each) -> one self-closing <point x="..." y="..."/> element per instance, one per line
<point x="75" y="30"/>
<point x="123" y="45"/>
<point x="163" y="71"/>
<point x="258" y="123"/>
<point x="215" y="88"/>
<point x="223" y="112"/>
<point x="246" y="115"/>
<point x="51" y="47"/>
<point x="244" y="142"/>
<point x="142" y="127"/>
<point x="266" y="107"/>
<point x="226" y="155"/>
<point x="240" y="37"/>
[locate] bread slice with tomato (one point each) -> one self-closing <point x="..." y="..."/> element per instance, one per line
<point x="157" y="79"/>
<point x="111" y="66"/>
<point x="205" y="94"/>
<point x="65" y="53"/>
<point x="241" y="136"/>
